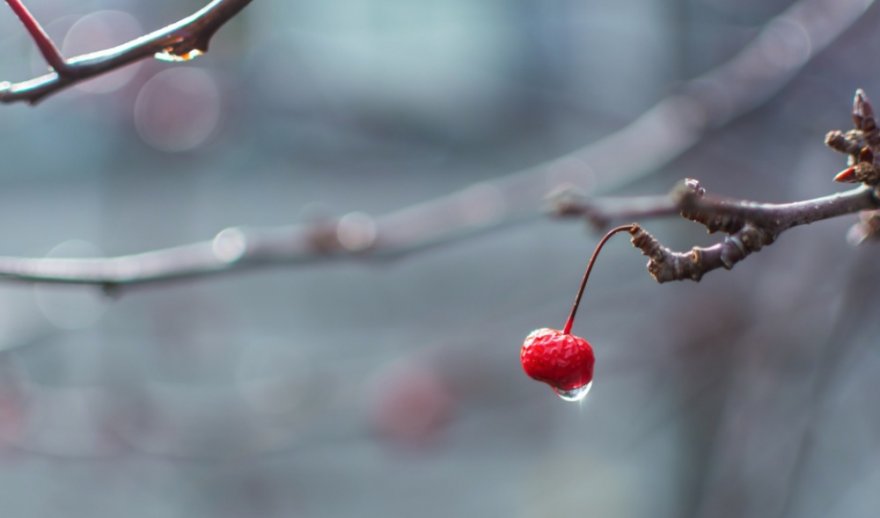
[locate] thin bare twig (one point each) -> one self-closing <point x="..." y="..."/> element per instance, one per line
<point x="181" y="40"/>
<point x="602" y="212"/>
<point x="353" y="236"/>
<point x="689" y="200"/>
<point x="750" y="227"/>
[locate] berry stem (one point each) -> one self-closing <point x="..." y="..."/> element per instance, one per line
<point x="577" y="300"/>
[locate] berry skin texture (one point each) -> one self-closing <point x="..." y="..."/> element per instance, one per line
<point x="563" y="361"/>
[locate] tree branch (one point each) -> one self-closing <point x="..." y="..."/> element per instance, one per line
<point x="236" y="248"/>
<point x="749" y="226"/>
<point x="729" y="215"/>
<point x="179" y="41"/>
<point x="353" y="236"/>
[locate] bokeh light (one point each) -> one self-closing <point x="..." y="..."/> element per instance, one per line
<point x="71" y="307"/>
<point x="98" y="31"/>
<point x="411" y="403"/>
<point x="178" y="109"/>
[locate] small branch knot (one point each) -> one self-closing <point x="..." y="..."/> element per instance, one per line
<point x="695" y="186"/>
<point x="665" y="265"/>
<point x="686" y="192"/>
<point x="715" y="215"/>
<point x="566" y="200"/>
<point x="848" y="143"/>
<point x="647" y="243"/>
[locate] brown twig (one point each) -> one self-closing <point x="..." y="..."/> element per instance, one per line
<point x="749" y="226"/>
<point x="181" y="40"/>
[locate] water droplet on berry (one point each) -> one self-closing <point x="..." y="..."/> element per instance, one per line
<point x="575" y="394"/>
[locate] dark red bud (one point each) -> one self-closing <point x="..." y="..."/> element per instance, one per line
<point x="848" y="175"/>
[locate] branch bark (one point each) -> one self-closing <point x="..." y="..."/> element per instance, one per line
<point x="181" y="41"/>
<point x="750" y="226"/>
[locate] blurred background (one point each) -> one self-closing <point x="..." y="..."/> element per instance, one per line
<point x="357" y="389"/>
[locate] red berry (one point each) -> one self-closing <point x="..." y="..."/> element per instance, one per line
<point x="563" y="361"/>
<point x="558" y="358"/>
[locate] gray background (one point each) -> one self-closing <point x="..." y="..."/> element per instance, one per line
<point x="347" y="389"/>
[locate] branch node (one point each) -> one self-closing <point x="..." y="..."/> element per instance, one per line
<point x="695" y="187"/>
<point x="686" y="192"/>
<point x="566" y="200"/>
<point x="848" y="143"/>
<point x="665" y="265"/>
<point x="732" y="245"/>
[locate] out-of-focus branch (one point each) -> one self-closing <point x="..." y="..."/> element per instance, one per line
<point x="179" y="41"/>
<point x="602" y="212"/>
<point x="355" y="235"/>
<point x="749" y="226"/>
<point x="663" y="132"/>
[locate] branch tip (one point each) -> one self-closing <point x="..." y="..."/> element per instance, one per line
<point x="863" y="112"/>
